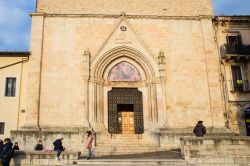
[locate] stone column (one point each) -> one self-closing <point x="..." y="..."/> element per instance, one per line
<point x="86" y="78"/>
<point x="34" y="74"/>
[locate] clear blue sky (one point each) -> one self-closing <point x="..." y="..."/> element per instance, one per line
<point x="15" y="22"/>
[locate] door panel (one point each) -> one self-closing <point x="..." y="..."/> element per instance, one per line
<point x="126" y="122"/>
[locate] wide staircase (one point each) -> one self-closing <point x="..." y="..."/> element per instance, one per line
<point x="123" y="144"/>
<point x="131" y="149"/>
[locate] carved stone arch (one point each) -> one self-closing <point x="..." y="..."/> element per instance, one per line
<point x="147" y="64"/>
<point x="149" y="86"/>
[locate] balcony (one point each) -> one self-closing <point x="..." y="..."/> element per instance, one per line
<point x="240" y="86"/>
<point x="236" y="52"/>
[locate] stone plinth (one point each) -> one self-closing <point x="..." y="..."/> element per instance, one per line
<point x="27" y="158"/>
<point x="73" y="138"/>
<point x="214" y="150"/>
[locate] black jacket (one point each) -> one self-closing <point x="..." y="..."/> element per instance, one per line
<point x="16" y="147"/>
<point x="58" y="145"/>
<point x="199" y="130"/>
<point x="1" y="148"/>
<point x="39" y="147"/>
<point x="7" y="153"/>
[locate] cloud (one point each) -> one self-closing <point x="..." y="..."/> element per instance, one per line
<point x="15" y="23"/>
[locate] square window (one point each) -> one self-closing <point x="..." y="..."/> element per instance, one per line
<point x="2" y="127"/>
<point x="10" y="87"/>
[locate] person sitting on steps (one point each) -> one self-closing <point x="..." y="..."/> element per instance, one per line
<point x="199" y="129"/>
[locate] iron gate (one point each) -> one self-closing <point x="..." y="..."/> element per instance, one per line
<point x="125" y="96"/>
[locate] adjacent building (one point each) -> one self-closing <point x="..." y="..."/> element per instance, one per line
<point x="233" y="39"/>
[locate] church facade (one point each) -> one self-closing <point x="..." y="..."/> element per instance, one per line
<point x="146" y="70"/>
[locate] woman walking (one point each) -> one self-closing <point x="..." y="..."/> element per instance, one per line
<point x="88" y="143"/>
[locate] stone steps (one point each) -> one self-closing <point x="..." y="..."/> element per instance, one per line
<point x="132" y="162"/>
<point x="120" y="144"/>
<point x="104" y="151"/>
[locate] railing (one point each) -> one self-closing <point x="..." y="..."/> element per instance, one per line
<point x="240" y="86"/>
<point x="235" y="51"/>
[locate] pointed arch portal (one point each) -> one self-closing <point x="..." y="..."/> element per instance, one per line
<point x="123" y="84"/>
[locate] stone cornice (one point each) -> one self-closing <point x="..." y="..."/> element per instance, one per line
<point x="232" y="20"/>
<point x="200" y="17"/>
<point x="37" y="14"/>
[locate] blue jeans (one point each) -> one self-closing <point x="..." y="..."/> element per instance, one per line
<point x="58" y="153"/>
<point x="90" y="154"/>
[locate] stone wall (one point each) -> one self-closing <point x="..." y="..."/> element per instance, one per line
<point x="131" y="7"/>
<point x="43" y="158"/>
<point x="210" y="151"/>
<point x="67" y="101"/>
<point x="73" y="139"/>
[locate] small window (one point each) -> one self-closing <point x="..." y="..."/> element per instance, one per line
<point x="2" y="127"/>
<point x="10" y="87"/>
<point x="234" y="40"/>
<point x="238" y="82"/>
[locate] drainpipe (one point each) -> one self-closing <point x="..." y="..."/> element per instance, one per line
<point x="36" y="5"/>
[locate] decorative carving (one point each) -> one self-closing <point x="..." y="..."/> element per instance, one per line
<point x="161" y="57"/>
<point x="86" y="55"/>
<point x="129" y="16"/>
<point x="123" y="28"/>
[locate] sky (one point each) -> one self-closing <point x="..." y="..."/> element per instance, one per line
<point x="15" y="22"/>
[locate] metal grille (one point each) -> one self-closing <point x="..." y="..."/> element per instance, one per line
<point x="2" y="127"/>
<point x="125" y="96"/>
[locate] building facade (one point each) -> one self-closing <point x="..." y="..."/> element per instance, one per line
<point x="233" y="36"/>
<point x="150" y="69"/>
<point x="13" y="74"/>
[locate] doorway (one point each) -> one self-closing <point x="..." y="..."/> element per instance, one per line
<point x="126" y="122"/>
<point x="125" y="111"/>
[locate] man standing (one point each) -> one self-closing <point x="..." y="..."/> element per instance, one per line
<point x="58" y="147"/>
<point x="7" y="152"/>
<point x="199" y="129"/>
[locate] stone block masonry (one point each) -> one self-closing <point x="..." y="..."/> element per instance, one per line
<point x="43" y="158"/>
<point x="223" y="151"/>
<point x="130" y="7"/>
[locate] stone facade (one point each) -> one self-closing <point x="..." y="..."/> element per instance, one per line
<point x="74" y="46"/>
<point x="72" y="56"/>
<point x="83" y="95"/>
<point x="130" y="7"/>
<point x="13" y="64"/>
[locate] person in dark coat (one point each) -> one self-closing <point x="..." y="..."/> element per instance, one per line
<point x="199" y="129"/>
<point x="39" y="146"/>
<point x="58" y="147"/>
<point x="16" y="147"/>
<point x="1" y="147"/>
<point x="7" y="152"/>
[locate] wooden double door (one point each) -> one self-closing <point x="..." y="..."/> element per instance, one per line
<point x="126" y="122"/>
